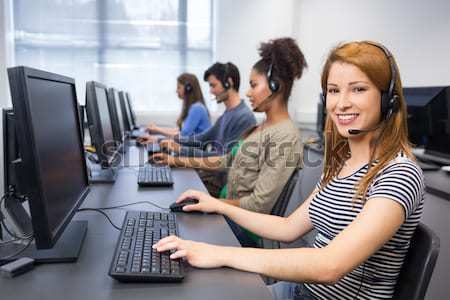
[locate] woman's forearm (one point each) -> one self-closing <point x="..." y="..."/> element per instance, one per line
<point x="170" y="132"/>
<point x="297" y="265"/>
<point x="205" y="163"/>
<point x="267" y="226"/>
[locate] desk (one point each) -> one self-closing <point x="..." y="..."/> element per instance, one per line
<point x="88" y="279"/>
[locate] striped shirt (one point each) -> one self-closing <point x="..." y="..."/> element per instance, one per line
<point x="333" y="209"/>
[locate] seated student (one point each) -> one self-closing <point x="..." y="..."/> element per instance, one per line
<point x="365" y="207"/>
<point x="194" y="117"/>
<point x="268" y="153"/>
<point x="224" y="82"/>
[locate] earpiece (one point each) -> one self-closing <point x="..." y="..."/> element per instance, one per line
<point x="274" y="86"/>
<point x="225" y="83"/>
<point x="187" y="88"/>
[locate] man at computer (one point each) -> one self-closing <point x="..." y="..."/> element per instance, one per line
<point x="224" y="82"/>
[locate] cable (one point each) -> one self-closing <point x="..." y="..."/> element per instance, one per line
<point x="19" y="251"/>
<point x="2" y="219"/>
<point x="361" y="283"/>
<point x="134" y="203"/>
<point x="9" y="242"/>
<point x="103" y="213"/>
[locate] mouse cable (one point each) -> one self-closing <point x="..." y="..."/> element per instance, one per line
<point x="133" y="203"/>
<point x="103" y="213"/>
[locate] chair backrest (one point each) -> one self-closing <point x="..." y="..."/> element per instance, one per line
<point x="418" y="265"/>
<point x="283" y="200"/>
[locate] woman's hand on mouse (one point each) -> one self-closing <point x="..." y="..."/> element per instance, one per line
<point x="206" y="203"/>
<point x="197" y="254"/>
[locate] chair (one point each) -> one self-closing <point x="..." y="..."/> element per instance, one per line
<point x="279" y="209"/>
<point x="418" y="265"/>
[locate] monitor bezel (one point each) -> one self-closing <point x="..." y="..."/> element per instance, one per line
<point x="118" y="132"/>
<point x="131" y="108"/>
<point x="125" y="111"/>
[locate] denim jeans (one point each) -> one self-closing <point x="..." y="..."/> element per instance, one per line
<point x="284" y="290"/>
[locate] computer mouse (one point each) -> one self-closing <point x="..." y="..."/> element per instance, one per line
<point x="178" y="207"/>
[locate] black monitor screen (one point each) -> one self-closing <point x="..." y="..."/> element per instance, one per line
<point x="439" y="134"/>
<point x="103" y="110"/>
<point x="131" y="108"/>
<point x="127" y="110"/>
<point x="119" y="111"/>
<point x="51" y="149"/>
<point x="58" y="147"/>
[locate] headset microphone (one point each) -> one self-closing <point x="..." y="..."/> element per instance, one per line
<point x="358" y="131"/>
<point x="266" y="100"/>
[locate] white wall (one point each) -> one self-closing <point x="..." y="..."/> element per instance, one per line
<point x="242" y="25"/>
<point x="417" y="33"/>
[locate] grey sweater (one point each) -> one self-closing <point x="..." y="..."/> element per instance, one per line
<point x="222" y="136"/>
<point x="263" y="165"/>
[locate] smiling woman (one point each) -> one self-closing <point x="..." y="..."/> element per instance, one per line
<point x="365" y="208"/>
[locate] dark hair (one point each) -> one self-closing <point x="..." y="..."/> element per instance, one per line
<point x="192" y="96"/>
<point x="286" y="59"/>
<point x="223" y="72"/>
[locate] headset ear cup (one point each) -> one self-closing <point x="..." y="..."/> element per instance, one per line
<point x="226" y="84"/>
<point x="187" y="88"/>
<point x="274" y="86"/>
<point x="323" y="99"/>
<point x="392" y="107"/>
<point x="395" y="103"/>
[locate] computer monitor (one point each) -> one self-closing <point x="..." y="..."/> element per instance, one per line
<point x="81" y="110"/>
<point x="438" y="143"/>
<point x="116" y="115"/>
<point x="126" y="110"/>
<point x="99" y="123"/>
<point x="419" y="121"/>
<point x="51" y="171"/>
<point x="101" y="132"/>
<point x="132" y="112"/>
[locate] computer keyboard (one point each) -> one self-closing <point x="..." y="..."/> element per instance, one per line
<point x="155" y="175"/>
<point x="134" y="259"/>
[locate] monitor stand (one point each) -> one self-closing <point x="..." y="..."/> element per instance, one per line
<point x="66" y="249"/>
<point x="97" y="174"/>
<point x="100" y="175"/>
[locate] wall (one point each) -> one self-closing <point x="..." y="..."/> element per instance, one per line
<point x="240" y="26"/>
<point x="417" y="33"/>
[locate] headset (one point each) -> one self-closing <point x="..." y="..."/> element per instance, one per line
<point x="224" y="79"/>
<point x="390" y="100"/>
<point x="188" y="88"/>
<point x="274" y="85"/>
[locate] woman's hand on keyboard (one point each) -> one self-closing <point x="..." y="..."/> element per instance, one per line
<point x="206" y="203"/>
<point x="197" y="254"/>
<point x="162" y="158"/>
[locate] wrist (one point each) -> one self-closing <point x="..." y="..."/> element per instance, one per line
<point x="224" y="255"/>
<point x="221" y="207"/>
